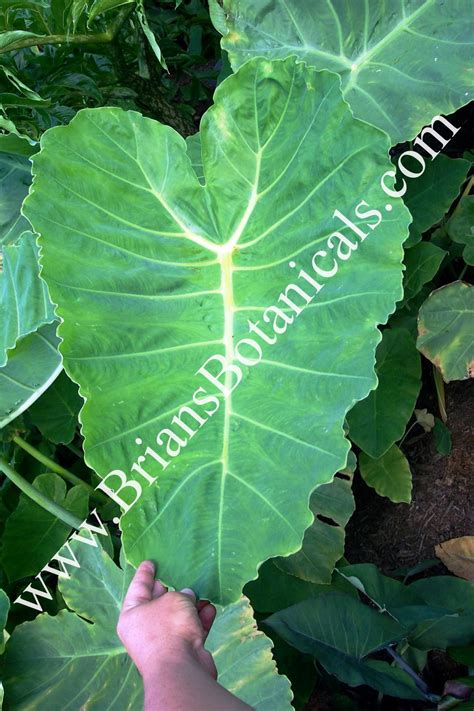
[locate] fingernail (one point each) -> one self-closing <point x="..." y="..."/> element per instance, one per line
<point x="188" y="591"/>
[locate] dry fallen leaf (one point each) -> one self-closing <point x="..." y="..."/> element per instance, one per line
<point x="458" y="556"/>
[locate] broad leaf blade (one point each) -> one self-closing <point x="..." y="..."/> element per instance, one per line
<point x="139" y="257"/>
<point x="383" y="52"/>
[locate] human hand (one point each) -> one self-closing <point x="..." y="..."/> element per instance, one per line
<point x="157" y="626"/>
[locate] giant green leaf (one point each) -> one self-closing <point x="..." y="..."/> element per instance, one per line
<point x="384" y="52"/>
<point x="32" y="535"/>
<point x="75" y="659"/>
<point x="445" y="329"/>
<point x="32" y="366"/>
<point x="154" y="273"/>
<point x="24" y="298"/>
<point x="341" y="632"/>
<point x="380" y="420"/>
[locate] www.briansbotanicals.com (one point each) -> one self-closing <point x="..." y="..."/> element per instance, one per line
<point x="220" y="374"/>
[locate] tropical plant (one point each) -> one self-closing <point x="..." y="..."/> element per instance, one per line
<point x="141" y="262"/>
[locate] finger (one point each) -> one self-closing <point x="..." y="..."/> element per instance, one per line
<point x="158" y="590"/>
<point x="141" y="587"/>
<point x="207" y="615"/>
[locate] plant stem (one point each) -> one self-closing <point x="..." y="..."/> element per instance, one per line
<point x="439" y="385"/>
<point x="100" y="37"/>
<point x="44" y="501"/>
<point x="57" y="468"/>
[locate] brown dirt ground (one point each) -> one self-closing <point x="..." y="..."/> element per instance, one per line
<point x="400" y="535"/>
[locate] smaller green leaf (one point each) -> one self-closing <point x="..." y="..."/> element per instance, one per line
<point x="422" y="263"/>
<point x="456" y="626"/>
<point x="340" y="632"/>
<point x="274" y="589"/>
<point x="244" y="662"/>
<point x="463" y="654"/>
<point x="4" y="609"/>
<point x="218" y="18"/>
<point x="9" y="39"/>
<point x="389" y="475"/>
<point x="443" y="631"/>
<point x="32" y="535"/>
<point x="446" y="591"/>
<point x="15" y="178"/>
<point x="24" y="299"/>
<point x="442" y="437"/>
<point x="323" y="544"/>
<point x="32" y="366"/>
<point x="461" y="227"/>
<point x="11" y="143"/>
<point x="431" y="195"/>
<point x="148" y="33"/>
<point x="100" y="6"/>
<point x="55" y="412"/>
<point x="445" y="328"/>
<point x="386" y="593"/>
<point x="380" y="419"/>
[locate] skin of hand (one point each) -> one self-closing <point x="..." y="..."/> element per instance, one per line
<point x="164" y="634"/>
<point x="155" y="624"/>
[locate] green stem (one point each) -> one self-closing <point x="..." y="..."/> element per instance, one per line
<point x="100" y="37"/>
<point x="58" y="469"/>
<point x="439" y="385"/>
<point x="44" y="501"/>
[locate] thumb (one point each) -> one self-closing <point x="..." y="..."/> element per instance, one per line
<point x="141" y="587"/>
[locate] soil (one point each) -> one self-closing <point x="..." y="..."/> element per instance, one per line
<point x="400" y="535"/>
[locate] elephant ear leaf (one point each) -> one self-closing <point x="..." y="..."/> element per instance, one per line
<point x="445" y="326"/>
<point x="154" y="274"/>
<point x="383" y="52"/>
